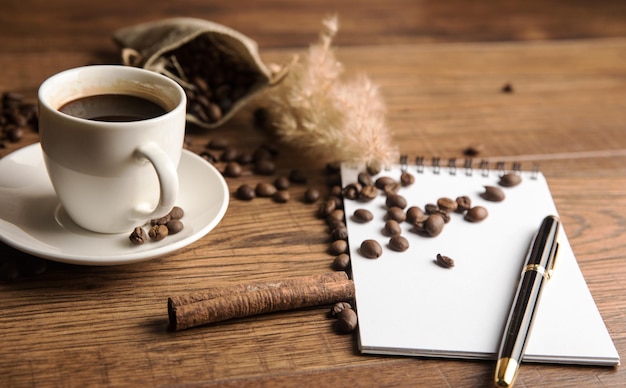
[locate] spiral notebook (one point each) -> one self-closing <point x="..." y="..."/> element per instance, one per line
<point x="409" y="305"/>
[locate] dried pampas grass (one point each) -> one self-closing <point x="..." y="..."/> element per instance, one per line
<point x="316" y="111"/>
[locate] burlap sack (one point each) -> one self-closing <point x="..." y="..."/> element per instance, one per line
<point x="219" y="67"/>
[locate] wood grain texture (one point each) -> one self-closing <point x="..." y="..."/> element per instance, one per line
<point x="441" y="67"/>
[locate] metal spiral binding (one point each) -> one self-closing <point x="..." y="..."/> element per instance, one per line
<point x="468" y="165"/>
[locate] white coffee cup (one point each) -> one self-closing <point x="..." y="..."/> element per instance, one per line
<point x="112" y="176"/>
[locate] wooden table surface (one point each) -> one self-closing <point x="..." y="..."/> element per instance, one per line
<point x="441" y="67"/>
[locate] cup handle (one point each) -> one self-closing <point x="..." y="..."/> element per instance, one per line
<point x="168" y="181"/>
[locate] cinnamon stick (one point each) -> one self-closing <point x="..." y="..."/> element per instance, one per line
<point x="220" y="304"/>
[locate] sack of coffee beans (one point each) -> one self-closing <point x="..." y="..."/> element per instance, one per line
<point x="219" y="68"/>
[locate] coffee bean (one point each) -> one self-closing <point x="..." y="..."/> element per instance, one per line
<point x="434" y="225"/>
<point x="493" y="194"/>
<point x="476" y="214"/>
<point x="297" y="176"/>
<point x="392" y="188"/>
<point x="338" y="247"/>
<point x="364" y="179"/>
<point x="335" y="217"/>
<point x="373" y="167"/>
<point x="138" y="236"/>
<point x="351" y="191"/>
<point x="398" y="243"/>
<point x="447" y="204"/>
<point x="244" y="158"/>
<point x="383" y="181"/>
<point x="415" y="214"/>
<point x="368" y="193"/>
<point x="177" y="213"/>
<point x="407" y="179"/>
<point x="341" y="262"/>
<point x="362" y="215"/>
<point x="209" y="156"/>
<point x="371" y="249"/>
<point x="346" y="321"/>
<point x="281" y="196"/>
<point x="161" y="221"/>
<point x="232" y="170"/>
<point x="445" y="261"/>
<point x="262" y="153"/>
<point x="264" y="167"/>
<point x="174" y="226"/>
<point x="326" y="207"/>
<point x="311" y="195"/>
<point x="218" y="143"/>
<point x="391" y="228"/>
<point x="158" y="232"/>
<point x="264" y="189"/>
<point x="396" y="200"/>
<point x="339" y="232"/>
<point x="230" y="154"/>
<point x="282" y="183"/>
<point x="339" y="307"/>
<point x="396" y="213"/>
<point x="463" y="203"/>
<point x="245" y="192"/>
<point x="510" y="180"/>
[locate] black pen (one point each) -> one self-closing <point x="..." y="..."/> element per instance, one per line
<point x="539" y="265"/>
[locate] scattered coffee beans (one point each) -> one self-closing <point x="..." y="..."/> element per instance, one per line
<point x="493" y="194"/>
<point x="510" y="180"/>
<point x="398" y="244"/>
<point x="444" y="261"/>
<point x="371" y="249"/>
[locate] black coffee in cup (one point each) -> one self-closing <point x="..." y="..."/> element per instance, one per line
<point x="113" y="108"/>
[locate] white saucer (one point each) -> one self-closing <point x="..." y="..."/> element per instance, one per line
<point x="33" y="221"/>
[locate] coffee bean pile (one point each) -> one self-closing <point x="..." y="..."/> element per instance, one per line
<point x="16" y="117"/>
<point x="159" y="228"/>
<point x="216" y="78"/>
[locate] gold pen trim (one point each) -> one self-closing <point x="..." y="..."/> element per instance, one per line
<point x="537" y="268"/>
<point x="506" y="372"/>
